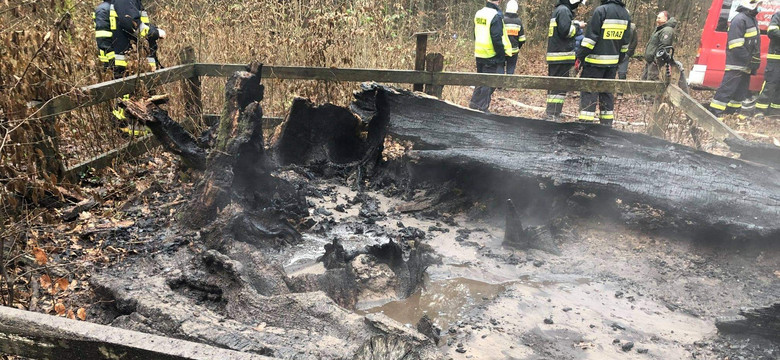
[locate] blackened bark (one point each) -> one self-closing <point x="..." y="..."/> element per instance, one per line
<point x="541" y="164"/>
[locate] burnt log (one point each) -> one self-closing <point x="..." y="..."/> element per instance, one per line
<point x="762" y="321"/>
<point x="39" y="336"/>
<point x="605" y="171"/>
<point x="756" y="152"/>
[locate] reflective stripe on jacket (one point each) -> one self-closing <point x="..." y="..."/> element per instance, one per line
<point x="773" y="32"/>
<point x="560" y="36"/>
<point x="515" y="31"/>
<point x="103" y="35"/>
<point x="607" y="36"/>
<point x="743" y="43"/>
<point x="490" y="34"/>
<point x="133" y="20"/>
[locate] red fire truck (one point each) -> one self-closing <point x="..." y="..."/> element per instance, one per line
<point x="711" y="61"/>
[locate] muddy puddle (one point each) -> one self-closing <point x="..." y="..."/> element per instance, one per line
<point x="445" y="302"/>
<point x="604" y="297"/>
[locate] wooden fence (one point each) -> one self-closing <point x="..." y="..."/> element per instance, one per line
<point x="191" y="73"/>
<point x="427" y="76"/>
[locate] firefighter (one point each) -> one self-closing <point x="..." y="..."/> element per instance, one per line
<point x="516" y="33"/>
<point x="491" y="48"/>
<point x="605" y="45"/>
<point x="133" y="23"/>
<point x="661" y="38"/>
<point x="743" y="57"/>
<point x="769" y="99"/>
<point x="104" y="28"/>
<point x="561" y="53"/>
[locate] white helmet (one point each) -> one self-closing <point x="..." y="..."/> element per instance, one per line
<point x="511" y="7"/>
<point x="750" y="4"/>
<point x="576" y="2"/>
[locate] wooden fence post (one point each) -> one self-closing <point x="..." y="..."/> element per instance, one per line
<point x="48" y="149"/>
<point x="434" y="62"/>
<point x="419" y="58"/>
<point x="193" y="103"/>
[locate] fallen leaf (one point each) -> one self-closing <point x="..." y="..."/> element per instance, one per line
<point x="82" y="314"/>
<point x="40" y="256"/>
<point x="59" y="308"/>
<point x="63" y="283"/>
<point x="85" y="215"/>
<point x="45" y="281"/>
<point x="777" y="273"/>
<point x="71" y="315"/>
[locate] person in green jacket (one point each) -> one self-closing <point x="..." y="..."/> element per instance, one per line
<point x="661" y="38"/>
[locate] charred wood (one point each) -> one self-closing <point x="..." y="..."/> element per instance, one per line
<point x="524" y="238"/>
<point x="756" y="152"/>
<point x="761" y="321"/>
<point x="544" y="163"/>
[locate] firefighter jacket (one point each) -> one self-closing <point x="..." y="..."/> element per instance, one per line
<point x="661" y="38"/>
<point x="561" y="35"/>
<point x="607" y="35"/>
<point x="105" y="24"/>
<point x="743" y="51"/>
<point x="132" y="19"/>
<point x="490" y="36"/>
<point x="773" y="32"/>
<point x="515" y="31"/>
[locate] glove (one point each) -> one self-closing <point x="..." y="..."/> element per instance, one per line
<point x="161" y="33"/>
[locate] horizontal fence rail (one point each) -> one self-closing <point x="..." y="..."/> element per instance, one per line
<point x="109" y="90"/>
<point x="106" y="91"/>
<point x="439" y="78"/>
<point x="40" y="336"/>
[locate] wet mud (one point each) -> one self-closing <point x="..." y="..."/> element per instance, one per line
<point x="337" y="249"/>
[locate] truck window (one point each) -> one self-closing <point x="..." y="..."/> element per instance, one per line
<point x="725" y="16"/>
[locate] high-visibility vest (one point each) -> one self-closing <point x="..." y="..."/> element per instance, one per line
<point x="483" y="43"/>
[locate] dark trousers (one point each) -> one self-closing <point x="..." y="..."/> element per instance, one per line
<point x="651" y="72"/>
<point x="623" y="68"/>
<point x="556" y="98"/>
<point x="769" y="99"/>
<point x="480" y="100"/>
<point x="732" y="91"/>
<point x="605" y="101"/>
<point x="511" y="65"/>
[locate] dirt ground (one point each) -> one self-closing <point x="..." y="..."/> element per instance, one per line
<point x="610" y="287"/>
<point x="613" y="292"/>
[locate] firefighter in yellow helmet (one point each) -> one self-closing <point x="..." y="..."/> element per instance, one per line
<point x="516" y="32"/>
<point x="491" y="48"/>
